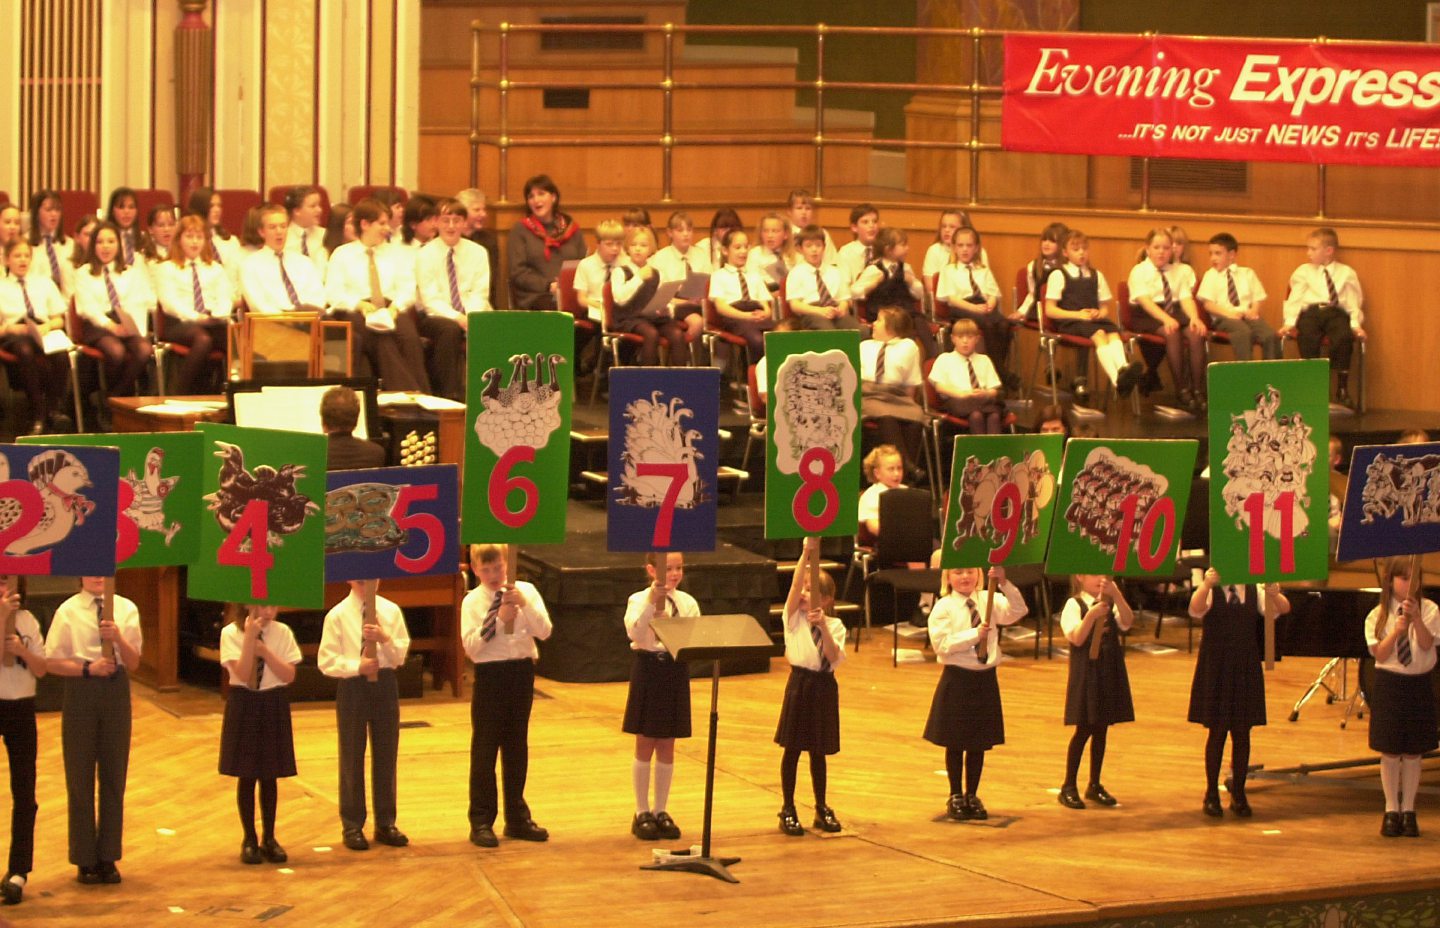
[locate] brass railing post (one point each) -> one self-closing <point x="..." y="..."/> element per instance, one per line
<point x="819" y="190"/>
<point x="504" y="153"/>
<point x="1319" y="191"/>
<point x="975" y="33"/>
<point x="475" y="103"/>
<point x="667" y="140"/>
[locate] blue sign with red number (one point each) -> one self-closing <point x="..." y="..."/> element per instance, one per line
<point x="664" y="458"/>
<point x="58" y="510"/>
<point x="392" y="522"/>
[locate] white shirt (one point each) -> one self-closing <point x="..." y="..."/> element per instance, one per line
<point x="623" y="286"/>
<point x="1055" y="284"/>
<point x="828" y="256"/>
<point x="132" y="286"/>
<point x="851" y="259"/>
<point x="264" y="290"/>
<point x="472" y="278"/>
<point x="954" y="285"/>
<point x="761" y="260"/>
<point x="44" y="299"/>
<point x="952" y="634"/>
<point x="532" y="624"/>
<point x="1072" y="616"/>
<point x="175" y="289"/>
<point x="874" y="275"/>
<point x="869" y="507"/>
<point x="1422" y="661"/>
<point x="725" y="285"/>
<point x="347" y="279"/>
<point x="938" y="255"/>
<point x="313" y="240"/>
<point x="1215" y="288"/>
<point x="801" y="284"/>
<point x="672" y="265"/>
<point x="639" y="611"/>
<point x="590" y="276"/>
<point x="1148" y="281"/>
<point x="64" y="257"/>
<point x="276" y="636"/>
<point x="16" y="681"/>
<point x="800" y="647"/>
<point x="341" y="642"/>
<point x="1308" y="287"/>
<point x="902" y="361"/>
<point x="75" y="630"/>
<point x="951" y="376"/>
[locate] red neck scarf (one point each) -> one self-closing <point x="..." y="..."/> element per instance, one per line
<point x="562" y="223"/>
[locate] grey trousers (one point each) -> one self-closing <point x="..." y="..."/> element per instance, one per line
<point x="363" y="708"/>
<point x="95" y="735"/>
<point x="1246" y="333"/>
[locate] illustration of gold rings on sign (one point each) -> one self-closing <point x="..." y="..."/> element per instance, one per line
<point x="358" y="519"/>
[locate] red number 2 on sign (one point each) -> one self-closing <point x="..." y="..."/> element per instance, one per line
<point x="252" y="526"/>
<point x="32" y="508"/>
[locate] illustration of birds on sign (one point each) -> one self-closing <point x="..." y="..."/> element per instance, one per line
<point x="150" y="489"/>
<point x="286" y="505"/>
<point x="58" y="477"/>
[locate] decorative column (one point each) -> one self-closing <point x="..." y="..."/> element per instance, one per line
<point x="946" y="117"/>
<point x="194" y="96"/>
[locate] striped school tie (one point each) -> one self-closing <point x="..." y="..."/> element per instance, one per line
<point x="1230" y="287"/>
<point x="199" y="293"/>
<point x="305" y="244"/>
<point x="974" y="381"/>
<point x="816" y="636"/>
<point x="289" y="285"/>
<point x="822" y="291"/>
<point x="1169" y="297"/>
<point x="29" y="307"/>
<point x="214" y="250"/>
<point x="880" y="364"/>
<point x="981" y="651"/>
<point x="455" y="302"/>
<point x="975" y="295"/>
<point x="54" y="258"/>
<point x="259" y="661"/>
<point x="487" y="628"/>
<point x="1402" y="650"/>
<point x="1330" y="286"/>
<point x="113" y="294"/>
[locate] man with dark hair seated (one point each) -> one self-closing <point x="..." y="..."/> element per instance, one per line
<point x="339" y="412"/>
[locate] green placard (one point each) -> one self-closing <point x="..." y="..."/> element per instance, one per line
<point x="1002" y="498"/>
<point x="262" y="525"/>
<point x="813" y="423"/>
<point x="1122" y="506"/>
<point x="1269" y="483"/>
<point x="159" y="494"/>
<point x="517" y="437"/>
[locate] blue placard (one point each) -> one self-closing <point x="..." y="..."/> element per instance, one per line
<point x="392" y="522"/>
<point x="1392" y="502"/>
<point x="58" y="510"/>
<point x="664" y="459"/>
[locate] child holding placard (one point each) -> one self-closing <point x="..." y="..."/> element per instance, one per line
<point x="657" y="711"/>
<point x="363" y="641"/>
<point x="24" y="650"/>
<point x="966" y="718"/>
<point x="1401" y="634"/>
<point x="96" y="652"/>
<point x="1098" y="693"/>
<point x="810" y="713"/>
<point x="500" y="621"/>
<point x="256" y="744"/>
<point x="1228" y="692"/>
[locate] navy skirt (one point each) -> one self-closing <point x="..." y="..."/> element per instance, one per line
<point x="255" y="740"/>
<point x="1402" y="713"/>
<point x="659" y="702"/>
<point x="966" y="711"/>
<point x="810" y="712"/>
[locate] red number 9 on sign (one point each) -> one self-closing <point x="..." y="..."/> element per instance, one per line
<point x="502" y="485"/>
<point x="817" y="475"/>
<point x="1005" y="517"/>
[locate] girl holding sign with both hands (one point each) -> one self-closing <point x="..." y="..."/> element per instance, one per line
<point x="24" y="663"/>
<point x="1098" y="693"/>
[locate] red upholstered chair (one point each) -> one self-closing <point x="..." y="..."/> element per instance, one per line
<point x="1050" y="340"/>
<point x="77" y="203"/>
<point x="148" y="198"/>
<point x="235" y="203"/>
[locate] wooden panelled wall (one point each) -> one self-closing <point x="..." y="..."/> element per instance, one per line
<point x="1399" y="268"/>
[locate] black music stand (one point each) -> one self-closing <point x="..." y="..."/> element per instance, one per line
<point x="712" y="638"/>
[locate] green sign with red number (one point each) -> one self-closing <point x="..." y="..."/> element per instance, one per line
<point x="1002" y="498"/>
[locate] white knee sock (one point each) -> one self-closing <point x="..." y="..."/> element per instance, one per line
<point x="1390" y="781"/>
<point x="1409" y="782"/>
<point x="640" y="773"/>
<point x="663" y="773"/>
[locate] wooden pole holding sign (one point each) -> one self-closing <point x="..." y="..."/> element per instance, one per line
<point x="814" y="568"/>
<point x="982" y="647"/>
<point x="1097" y="634"/>
<point x="1271" y="611"/>
<point x="7" y="619"/>
<point x="107" y="648"/>
<point x="512" y="566"/>
<point x="368" y="648"/>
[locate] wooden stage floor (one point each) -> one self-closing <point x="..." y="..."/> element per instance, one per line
<point x="897" y="863"/>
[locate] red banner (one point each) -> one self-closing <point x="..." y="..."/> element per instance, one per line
<point x="1231" y="99"/>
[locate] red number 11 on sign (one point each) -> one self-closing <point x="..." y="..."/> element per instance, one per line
<point x="1284" y="507"/>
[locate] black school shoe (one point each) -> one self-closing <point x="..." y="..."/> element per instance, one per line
<point x="389" y="834"/>
<point x="89" y="876"/>
<point x="109" y="873"/>
<point x="273" y="852"/>
<point x="484" y="836"/>
<point x="1129" y="375"/>
<point x="354" y="839"/>
<point x="790" y="822"/>
<point x="11" y="892"/>
<point x="1211" y="805"/>
<point x="825" y="820"/>
<point x="1240" y="805"/>
<point x="1390" y="826"/>
<point x="1409" y="827"/>
<point x="526" y="831"/>
<point x="668" y="829"/>
<point x="1098" y="793"/>
<point x="645" y="827"/>
<point x="1070" y="798"/>
<point x="958" y="808"/>
<point x="977" y="808"/>
<point x="250" y="853"/>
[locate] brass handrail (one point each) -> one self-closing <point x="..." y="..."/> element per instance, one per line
<point x="667" y="85"/>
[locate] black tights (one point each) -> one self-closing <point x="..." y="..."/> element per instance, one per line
<point x="245" y="799"/>
<point x="1239" y="759"/>
<point x="1096" y="735"/>
<point x="789" y="766"/>
<point x="971" y="762"/>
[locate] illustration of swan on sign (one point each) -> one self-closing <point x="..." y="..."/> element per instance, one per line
<point x="813" y="394"/>
<point x="287" y="506"/>
<point x="526" y="411"/>
<point x="1098" y="491"/>
<point x="980" y="485"/>
<point x="655" y="433"/>
<point x="147" y="505"/>
<point x="59" y="477"/>
<point x="1270" y="454"/>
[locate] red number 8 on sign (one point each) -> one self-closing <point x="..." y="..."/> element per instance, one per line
<point x="817" y="475"/>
